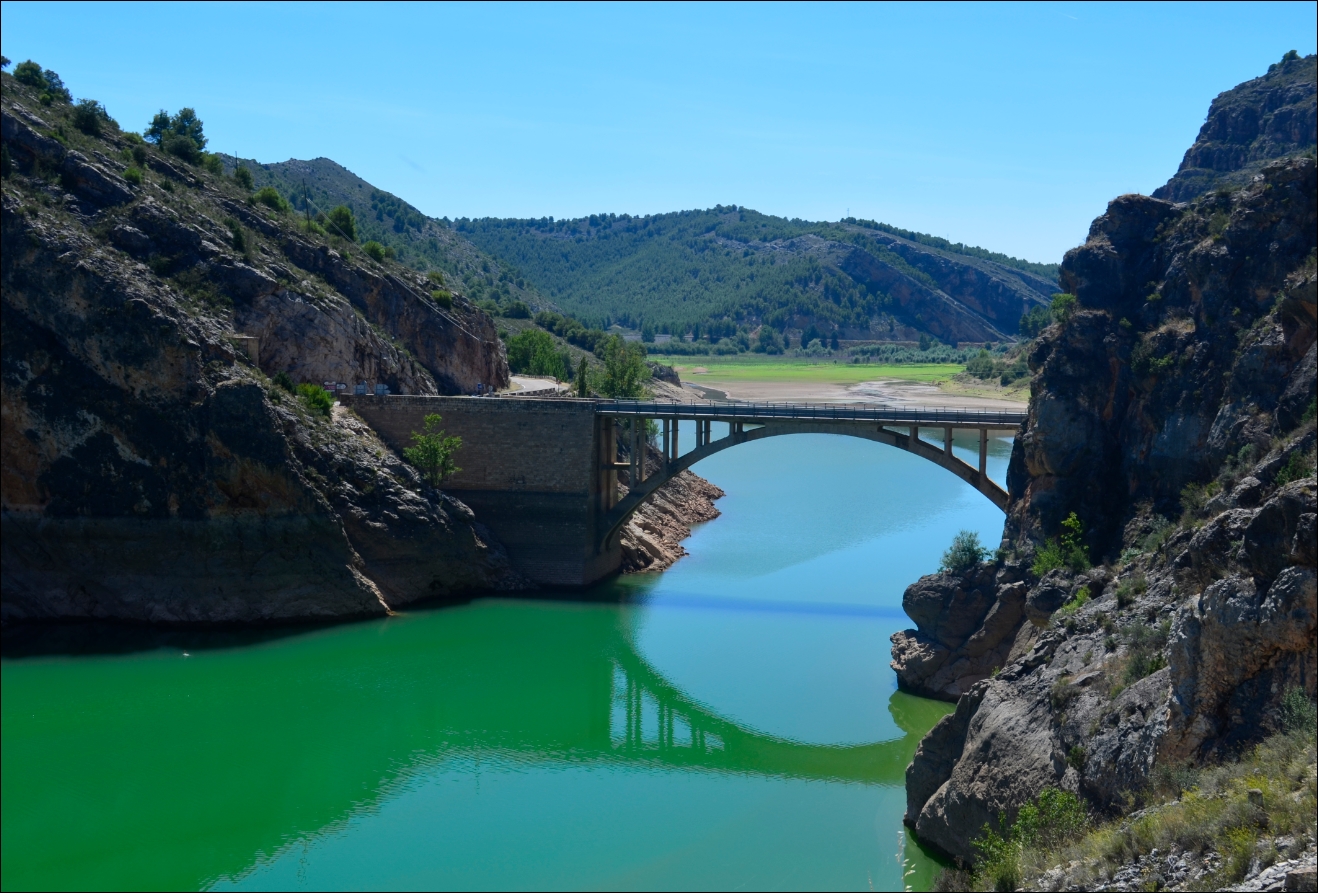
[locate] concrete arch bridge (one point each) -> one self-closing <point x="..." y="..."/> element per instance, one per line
<point x="543" y="473"/>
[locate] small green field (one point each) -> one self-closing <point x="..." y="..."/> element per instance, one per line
<point x="778" y="369"/>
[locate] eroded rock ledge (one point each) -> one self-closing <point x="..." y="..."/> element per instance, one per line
<point x="1173" y="413"/>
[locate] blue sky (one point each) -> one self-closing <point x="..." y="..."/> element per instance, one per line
<point x="1007" y="126"/>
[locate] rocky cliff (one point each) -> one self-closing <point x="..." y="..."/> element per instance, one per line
<point x="151" y="469"/>
<point x="1172" y="415"/>
<point x="1249" y="125"/>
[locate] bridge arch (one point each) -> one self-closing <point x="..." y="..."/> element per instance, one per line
<point x="852" y="423"/>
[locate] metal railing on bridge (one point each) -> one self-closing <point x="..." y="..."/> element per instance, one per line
<point x="906" y="415"/>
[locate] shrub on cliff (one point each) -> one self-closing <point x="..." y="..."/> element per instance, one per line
<point x="1055" y="817"/>
<point x="242" y="176"/>
<point x="964" y="553"/>
<point x="270" y="197"/>
<point x="90" y="117"/>
<point x="432" y="451"/>
<point x="1241" y="809"/>
<point x="341" y="222"/>
<point x="1067" y="551"/>
<point x="316" y="399"/>
<point x="1062" y="307"/>
<point x="181" y="135"/>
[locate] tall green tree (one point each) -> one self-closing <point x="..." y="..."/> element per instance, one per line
<point x="583" y="379"/>
<point x="342" y="223"/>
<point x="433" y="450"/>
<point x="625" y="373"/>
<point x="182" y="134"/>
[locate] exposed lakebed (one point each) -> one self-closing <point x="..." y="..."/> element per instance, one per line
<point x="731" y="722"/>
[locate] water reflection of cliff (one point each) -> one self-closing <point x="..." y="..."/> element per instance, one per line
<point x="203" y="762"/>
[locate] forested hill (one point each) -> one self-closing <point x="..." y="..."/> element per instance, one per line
<point x="420" y="242"/>
<point x="730" y="268"/>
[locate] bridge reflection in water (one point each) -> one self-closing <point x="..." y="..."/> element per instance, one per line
<point x="215" y="759"/>
<point x="653" y="721"/>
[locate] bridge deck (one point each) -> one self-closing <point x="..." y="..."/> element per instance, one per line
<point x="912" y="415"/>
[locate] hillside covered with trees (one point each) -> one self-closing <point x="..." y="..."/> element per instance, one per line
<point x="423" y="243"/>
<point x="729" y="269"/>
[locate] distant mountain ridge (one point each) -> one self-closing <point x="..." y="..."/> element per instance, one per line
<point x="717" y="271"/>
<point x="729" y="269"/>
<point x="1261" y="120"/>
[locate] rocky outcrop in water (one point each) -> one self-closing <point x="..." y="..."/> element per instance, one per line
<point x="1173" y="414"/>
<point x="151" y="469"/>
<point x="652" y="538"/>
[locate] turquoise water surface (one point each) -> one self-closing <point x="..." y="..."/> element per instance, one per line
<point x="730" y="723"/>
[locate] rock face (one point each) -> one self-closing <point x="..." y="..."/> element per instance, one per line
<point x="652" y="538"/>
<point x="1173" y="413"/>
<point x="966" y="626"/>
<point x="1260" y="120"/>
<point x="150" y="469"/>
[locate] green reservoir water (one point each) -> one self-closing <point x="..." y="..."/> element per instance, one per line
<point x="731" y="723"/>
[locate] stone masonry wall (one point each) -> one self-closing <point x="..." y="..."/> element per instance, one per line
<point x="529" y="472"/>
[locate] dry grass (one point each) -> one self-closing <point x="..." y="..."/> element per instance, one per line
<point x="1209" y="810"/>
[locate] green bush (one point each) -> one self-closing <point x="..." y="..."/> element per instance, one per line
<point x="1298" y="712"/>
<point x="517" y="310"/>
<point x="1055" y="817"/>
<point x="285" y="381"/>
<point x="181" y="134"/>
<point x="1130" y="589"/>
<point x="964" y="553"/>
<point x="236" y="235"/>
<point x="340" y="222"/>
<point x="432" y="451"/>
<point x="1069" y="551"/>
<point x="1147" y="646"/>
<point x="242" y="176"/>
<point x="1081" y="599"/>
<point x="374" y="250"/>
<point x="133" y="175"/>
<point x="1299" y="465"/>
<point x="769" y="341"/>
<point x="316" y="399"/>
<point x="29" y="73"/>
<point x="1194" y="497"/>
<point x="90" y="117"/>
<point x="1062" y="307"/>
<point x="981" y="365"/>
<point x="213" y="164"/>
<point x="270" y="197"/>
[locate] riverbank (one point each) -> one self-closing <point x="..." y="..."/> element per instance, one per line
<point x="776" y="380"/>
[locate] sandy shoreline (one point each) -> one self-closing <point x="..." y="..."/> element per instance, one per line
<point x="892" y="392"/>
